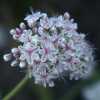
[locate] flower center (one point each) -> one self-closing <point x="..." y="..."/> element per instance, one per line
<point x="46" y="50"/>
<point x="30" y="50"/>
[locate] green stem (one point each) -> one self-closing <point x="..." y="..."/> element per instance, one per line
<point x="17" y="88"/>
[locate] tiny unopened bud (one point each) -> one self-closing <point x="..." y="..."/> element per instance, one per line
<point x="44" y="15"/>
<point x="72" y="20"/>
<point x="31" y="24"/>
<point x="22" y="57"/>
<point x="15" y="37"/>
<point x="14" y="63"/>
<point x="7" y="57"/>
<point x="86" y="59"/>
<point x="51" y="84"/>
<point x="82" y="35"/>
<point x="66" y="15"/>
<point x="75" y="26"/>
<point x="18" y="31"/>
<point x="22" y="64"/>
<point x="14" y="50"/>
<point x="22" y="25"/>
<point x="12" y="31"/>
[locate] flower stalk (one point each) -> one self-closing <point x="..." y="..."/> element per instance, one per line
<point x="17" y="88"/>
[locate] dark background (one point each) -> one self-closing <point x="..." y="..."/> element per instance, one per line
<point x="85" y="12"/>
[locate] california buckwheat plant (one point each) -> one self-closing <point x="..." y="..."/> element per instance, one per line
<point x="51" y="48"/>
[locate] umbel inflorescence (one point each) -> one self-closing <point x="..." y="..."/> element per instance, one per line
<point x="51" y="48"/>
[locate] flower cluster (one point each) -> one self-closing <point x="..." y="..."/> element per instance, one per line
<point x="51" y="48"/>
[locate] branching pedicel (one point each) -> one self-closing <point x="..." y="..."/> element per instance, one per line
<point x="51" y="48"/>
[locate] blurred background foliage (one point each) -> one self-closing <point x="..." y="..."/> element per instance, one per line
<point x="85" y="12"/>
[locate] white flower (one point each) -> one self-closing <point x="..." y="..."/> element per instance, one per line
<point x="46" y="23"/>
<point x="51" y="48"/>
<point x="43" y="76"/>
<point x="35" y="39"/>
<point x="40" y="31"/>
<point x="26" y="36"/>
<point x="27" y="50"/>
<point x="60" y="22"/>
<point x="31" y="19"/>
